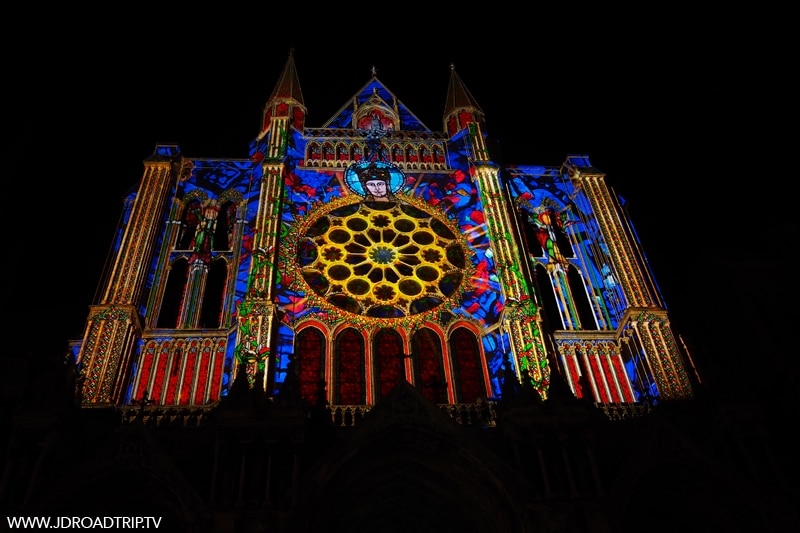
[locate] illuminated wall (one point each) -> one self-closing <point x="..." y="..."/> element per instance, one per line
<point x="338" y="261"/>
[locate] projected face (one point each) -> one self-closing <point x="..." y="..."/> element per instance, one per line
<point x="375" y="181"/>
<point x="378" y="190"/>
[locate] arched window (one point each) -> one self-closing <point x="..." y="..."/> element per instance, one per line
<point x="349" y="377"/>
<point x="544" y="234"/>
<point x="430" y="377"/>
<point x="452" y="125"/>
<point x="310" y="360"/>
<point x="211" y="312"/>
<point x="189" y="225"/>
<point x="397" y="154"/>
<point x="583" y="307"/>
<point x="425" y="154"/>
<point x="562" y="239"/>
<point x="387" y="350"/>
<point x="199" y="227"/>
<point x="531" y="235"/>
<point x="383" y="152"/>
<point x="173" y="294"/>
<point x="544" y="286"/>
<point x="465" y="118"/>
<point x="438" y="154"/>
<point x="223" y="233"/>
<point x="468" y="379"/>
<point x="313" y="152"/>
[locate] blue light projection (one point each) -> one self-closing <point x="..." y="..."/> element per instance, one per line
<point x="536" y="189"/>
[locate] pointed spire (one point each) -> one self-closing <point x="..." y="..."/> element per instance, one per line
<point x="460" y="108"/>
<point x="374" y="72"/>
<point x="286" y="99"/>
<point x="288" y="86"/>
<point x="458" y="96"/>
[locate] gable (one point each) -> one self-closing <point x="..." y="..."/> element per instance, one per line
<point x="372" y="105"/>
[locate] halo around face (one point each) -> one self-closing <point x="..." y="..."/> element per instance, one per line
<point x="353" y="173"/>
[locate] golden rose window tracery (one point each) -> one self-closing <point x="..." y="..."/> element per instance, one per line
<point x="382" y="259"/>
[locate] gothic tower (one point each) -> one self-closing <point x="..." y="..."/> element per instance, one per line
<point x="340" y="260"/>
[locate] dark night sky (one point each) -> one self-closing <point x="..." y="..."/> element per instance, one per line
<point x="651" y="107"/>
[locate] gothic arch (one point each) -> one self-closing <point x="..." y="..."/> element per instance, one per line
<point x="430" y="373"/>
<point x="310" y="358"/>
<point x="226" y="222"/>
<point x="313" y="153"/>
<point x="328" y="152"/>
<point x="544" y="286"/>
<point x="213" y="304"/>
<point x="397" y="153"/>
<point x="580" y="299"/>
<point x="388" y="358"/>
<point x="425" y="154"/>
<point x="411" y="155"/>
<point x="469" y="375"/>
<point x="172" y="298"/>
<point x="438" y="154"/>
<point x="376" y="116"/>
<point x="189" y="222"/>
<point x="342" y="152"/>
<point x="356" y="152"/>
<point x="207" y="223"/>
<point x="348" y="371"/>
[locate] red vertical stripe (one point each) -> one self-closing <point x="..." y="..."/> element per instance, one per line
<point x="216" y="379"/>
<point x="608" y="371"/>
<point x="161" y="369"/>
<point x="189" y="376"/>
<point x="625" y="389"/>
<point x="203" y="370"/>
<point x="145" y="369"/>
<point x="574" y="377"/>
<point x="597" y="375"/>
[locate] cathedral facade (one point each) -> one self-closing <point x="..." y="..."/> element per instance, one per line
<point x="374" y="325"/>
<point x="374" y="250"/>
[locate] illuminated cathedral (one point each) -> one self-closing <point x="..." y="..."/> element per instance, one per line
<point x="455" y="275"/>
<point x="374" y="325"/>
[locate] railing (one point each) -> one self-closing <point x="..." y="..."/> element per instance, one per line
<point x="153" y="415"/>
<point x="348" y="415"/>
<point x="466" y="414"/>
<point x="624" y="411"/>
<point x="481" y="414"/>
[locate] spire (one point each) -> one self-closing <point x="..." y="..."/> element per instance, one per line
<point x="286" y="99"/>
<point x="460" y="108"/>
<point x="288" y="86"/>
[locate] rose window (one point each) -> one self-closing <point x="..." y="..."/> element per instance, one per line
<point x="383" y="260"/>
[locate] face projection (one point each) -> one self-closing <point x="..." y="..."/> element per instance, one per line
<point x="375" y="181"/>
<point x="378" y="190"/>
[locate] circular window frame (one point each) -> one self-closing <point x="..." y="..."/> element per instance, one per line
<point x="297" y="234"/>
